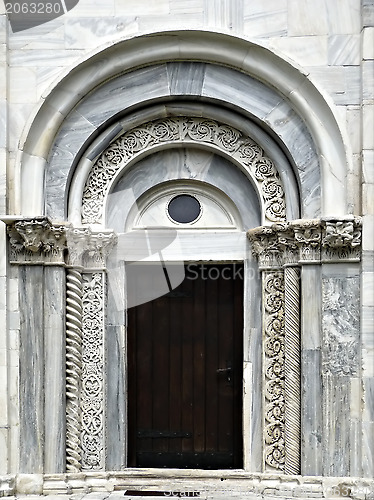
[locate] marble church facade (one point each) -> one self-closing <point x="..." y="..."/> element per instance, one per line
<point x="262" y="111"/>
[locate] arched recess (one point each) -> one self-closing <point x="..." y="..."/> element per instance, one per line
<point x="294" y="103"/>
<point x="178" y="76"/>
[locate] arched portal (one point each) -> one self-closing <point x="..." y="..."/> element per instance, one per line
<point x="249" y="137"/>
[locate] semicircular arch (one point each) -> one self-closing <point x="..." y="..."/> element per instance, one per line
<point x="230" y="54"/>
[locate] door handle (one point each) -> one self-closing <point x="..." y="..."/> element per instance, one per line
<point x="227" y="371"/>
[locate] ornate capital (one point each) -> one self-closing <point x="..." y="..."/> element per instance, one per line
<point x="89" y="249"/>
<point x="303" y="241"/>
<point x="341" y="239"/>
<point x="36" y="241"/>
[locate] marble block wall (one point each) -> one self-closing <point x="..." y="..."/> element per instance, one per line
<point x="336" y="49"/>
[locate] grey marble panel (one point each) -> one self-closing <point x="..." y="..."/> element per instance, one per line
<point x="239" y="90"/>
<point x="123" y="92"/>
<point x="31" y="370"/>
<point x="336" y="426"/>
<point x="341" y="324"/>
<point x="311" y="406"/>
<point x="71" y="138"/>
<point x="296" y="137"/>
<point x="311" y="303"/>
<point x="186" y="78"/>
<point x="255" y="357"/>
<point x="116" y="400"/>
<point x="54" y="387"/>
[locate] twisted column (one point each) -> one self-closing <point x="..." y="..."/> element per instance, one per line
<point x="73" y="370"/>
<point x="292" y="371"/>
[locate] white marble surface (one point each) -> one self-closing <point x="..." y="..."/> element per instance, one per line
<point x="368" y="127"/>
<point x="307" y="51"/>
<point x="344" y="50"/>
<point x="368" y="43"/>
<point x="265" y="19"/>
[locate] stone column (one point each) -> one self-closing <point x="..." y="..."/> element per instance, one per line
<point x="86" y="349"/>
<point x="37" y="246"/>
<point x="292" y="361"/>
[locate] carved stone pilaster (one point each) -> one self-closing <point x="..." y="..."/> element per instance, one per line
<point x="87" y="254"/>
<point x="93" y="398"/>
<point x="273" y="352"/>
<point x="36" y="241"/>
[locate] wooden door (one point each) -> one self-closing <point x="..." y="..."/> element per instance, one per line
<point x="185" y="373"/>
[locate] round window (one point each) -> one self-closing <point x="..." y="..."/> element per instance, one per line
<point x="184" y="208"/>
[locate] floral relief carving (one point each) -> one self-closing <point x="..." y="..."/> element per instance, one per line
<point x="274" y="453"/>
<point x="169" y="130"/>
<point x="307" y="240"/>
<point x="37" y="239"/>
<point x="93" y="363"/>
<point x="340" y="325"/>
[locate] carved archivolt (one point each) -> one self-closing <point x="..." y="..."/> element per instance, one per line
<point x="183" y="129"/>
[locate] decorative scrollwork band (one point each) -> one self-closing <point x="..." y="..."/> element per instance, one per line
<point x="184" y="129"/>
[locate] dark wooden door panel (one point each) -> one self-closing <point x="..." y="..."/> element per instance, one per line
<point x="185" y="374"/>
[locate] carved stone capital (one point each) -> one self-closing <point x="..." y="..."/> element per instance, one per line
<point x="303" y="241"/>
<point x="88" y="248"/>
<point x="36" y="241"/>
<point x="341" y="239"/>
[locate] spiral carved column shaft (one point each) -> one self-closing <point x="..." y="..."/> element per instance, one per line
<point x="292" y="371"/>
<point x="73" y="370"/>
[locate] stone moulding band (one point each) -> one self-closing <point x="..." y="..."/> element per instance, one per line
<point x="183" y="130"/>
